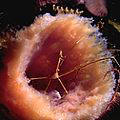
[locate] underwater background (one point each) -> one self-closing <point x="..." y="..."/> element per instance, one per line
<point x="15" y="15"/>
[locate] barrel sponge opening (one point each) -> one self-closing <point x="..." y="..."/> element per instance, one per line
<point x="36" y="53"/>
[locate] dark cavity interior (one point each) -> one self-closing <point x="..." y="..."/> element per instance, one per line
<point x="60" y="54"/>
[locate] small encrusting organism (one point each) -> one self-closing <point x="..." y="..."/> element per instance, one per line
<point x="57" y="69"/>
<point x="96" y="7"/>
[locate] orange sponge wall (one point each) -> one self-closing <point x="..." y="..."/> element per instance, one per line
<point x="36" y="51"/>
